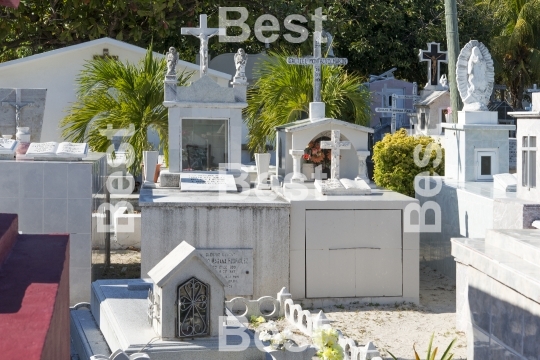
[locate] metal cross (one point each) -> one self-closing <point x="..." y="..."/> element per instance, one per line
<point x="316" y="61"/>
<point x="18" y="105"/>
<point x="110" y="133"/>
<point x="435" y="58"/>
<point x="106" y="55"/>
<point x="335" y="145"/>
<point x="394" y="110"/>
<point x="203" y="32"/>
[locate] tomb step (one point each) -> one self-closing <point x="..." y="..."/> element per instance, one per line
<point x="34" y="298"/>
<point x="524" y="243"/>
<point x="9" y="226"/>
<point x="501" y="265"/>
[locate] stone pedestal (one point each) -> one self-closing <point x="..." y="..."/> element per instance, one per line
<point x="170" y="87"/>
<point x="316" y="111"/>
<point x="362" y="168"/>
<point x="475" y="135"/>
<point x="297" y="173"/>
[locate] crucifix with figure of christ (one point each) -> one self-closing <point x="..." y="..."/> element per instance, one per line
<point x="316" y="61"/>
<point x="335" y="146"/>
<point x="203" y="32"/>
<point x="18" y="104"/>
<point x="435" y="57"/>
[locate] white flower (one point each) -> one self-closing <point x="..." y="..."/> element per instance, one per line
<point x="278" y="338"/>
<point x="287" y="333"/>
<point x="270" y="326"/>
<point x="265" y="336"/>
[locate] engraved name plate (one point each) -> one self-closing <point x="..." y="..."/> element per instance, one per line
<point x="235" y="265"/>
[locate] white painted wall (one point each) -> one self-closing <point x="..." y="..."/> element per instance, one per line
<point x="57" y="70"/>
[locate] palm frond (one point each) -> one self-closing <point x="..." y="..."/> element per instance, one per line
<point x="115" y="94"/>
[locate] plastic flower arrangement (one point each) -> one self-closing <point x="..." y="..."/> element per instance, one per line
<point x="313" y="154"/>
<point x="276" y="338"/>
<point x="326" y="340"/>
<point x="257" y="320"/>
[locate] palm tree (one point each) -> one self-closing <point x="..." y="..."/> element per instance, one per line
<point x="517" y="50"/>
<point x="283" y="92"/>
<point x="116" y="94"/>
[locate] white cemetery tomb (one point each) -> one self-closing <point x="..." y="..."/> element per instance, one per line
<point x="498" y="273"/>
<point x="476" y="149"/>
<point x="55" y="195"/>
<point x="275" y="231"/>
<point x="181" y="313"/>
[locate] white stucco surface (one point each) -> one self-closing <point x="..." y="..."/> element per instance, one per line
<point x="57" y="70"/>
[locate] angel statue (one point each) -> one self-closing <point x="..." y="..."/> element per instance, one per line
<point x="172" y="58"/>
<point x="240" y="61"/>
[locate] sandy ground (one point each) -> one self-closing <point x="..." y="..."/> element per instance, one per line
<point x="397" y="327"/>
<point x="393" y="328"/>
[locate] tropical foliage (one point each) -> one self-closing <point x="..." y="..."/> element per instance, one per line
<point x="430" y="355"/>
<point x="283" y="92"/>
<point x="116" y="95"/>
<point x="516" y="50"/>
<point x="375" y="35"/>
<point x="395" y="163"/>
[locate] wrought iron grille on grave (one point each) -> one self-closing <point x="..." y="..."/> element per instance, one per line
<point x="193" y="301"/>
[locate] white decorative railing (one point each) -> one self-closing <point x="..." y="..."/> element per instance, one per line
<point x="303" y="320"/>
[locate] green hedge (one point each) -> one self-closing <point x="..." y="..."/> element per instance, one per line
<point x="395" y="167"/>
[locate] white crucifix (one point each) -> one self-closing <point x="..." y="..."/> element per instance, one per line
<point x="18" y="104"/>
<point x="316" y="61"/>
<point x="203" y="32"/>
<point x="335" y="145"/>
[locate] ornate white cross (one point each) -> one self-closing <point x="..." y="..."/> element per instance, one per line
<point x="18" y="105"/>
<point x="395" y="110"/>
<point x="335" y="145"/>
<point x="316" y="61"/>
<point x="203" y="32"/>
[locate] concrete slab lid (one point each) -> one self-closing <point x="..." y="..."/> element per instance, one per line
<point x="170" y="264"/>
<point x="104" y="42"/>
<point x="306" y="123"/>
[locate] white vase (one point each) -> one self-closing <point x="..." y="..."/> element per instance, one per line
<point x="150" y="160"/>
<point x="263" y="165"/>
<point x="308" y="170"/>
<point x="23" y="134"/>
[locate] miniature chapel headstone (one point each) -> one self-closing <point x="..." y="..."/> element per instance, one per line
<point x="204" y="120"/>
<point x="187" y="296"/>
<point x="304" y="131"/>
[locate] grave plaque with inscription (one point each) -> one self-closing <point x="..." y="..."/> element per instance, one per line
<point x="235" y="265"/>
<point x="207" y="182"/>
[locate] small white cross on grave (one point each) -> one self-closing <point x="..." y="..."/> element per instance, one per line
<point x="203" y="32"/>
<point x="335" y="145"/>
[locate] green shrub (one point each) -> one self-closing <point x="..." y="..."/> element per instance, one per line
<point x="395" y="167"/>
